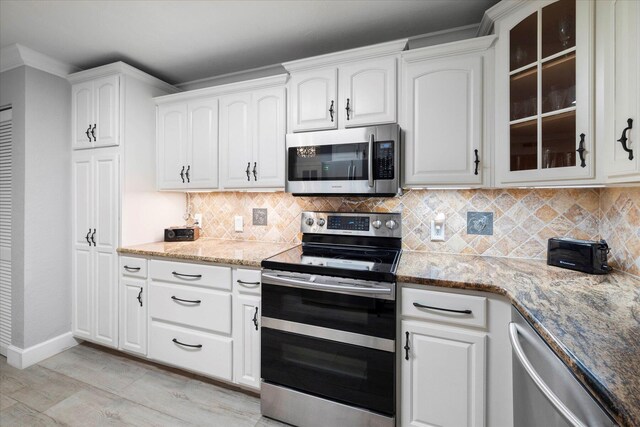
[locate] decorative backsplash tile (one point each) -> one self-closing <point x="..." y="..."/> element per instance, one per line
<point x="523" y="220"/>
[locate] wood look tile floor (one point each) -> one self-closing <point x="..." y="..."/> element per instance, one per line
<point x="90" y="386"/>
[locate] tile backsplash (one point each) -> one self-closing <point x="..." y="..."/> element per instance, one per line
<point x="523" y="220"/>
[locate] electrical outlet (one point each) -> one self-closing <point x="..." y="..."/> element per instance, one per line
<point x="480" y="223"/>
<point x="197" y="220"/>
<point x="259" y="216"/>
<point x="238" y="225"/>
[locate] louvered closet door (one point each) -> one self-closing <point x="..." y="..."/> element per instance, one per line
<point x="5" y="230"/>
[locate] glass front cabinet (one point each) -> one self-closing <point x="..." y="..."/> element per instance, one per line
<point x="544" y="94"/>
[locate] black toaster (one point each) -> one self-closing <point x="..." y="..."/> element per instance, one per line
<point x="588" y="256"/>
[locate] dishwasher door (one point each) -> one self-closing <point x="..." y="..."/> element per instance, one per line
<point x="545" y="392"/>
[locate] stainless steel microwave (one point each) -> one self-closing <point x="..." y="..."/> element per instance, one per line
<point x="358" y="162"/>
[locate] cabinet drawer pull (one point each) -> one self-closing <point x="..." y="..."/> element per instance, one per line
<point x="476" y="161"/>
<point x="331" y="111"/>
<point x="255" y="318"/>
<point x="187" y="345"/>
<point x="93" y="132"/>
<point x="581" y="151"/>
<point x="623" y="138"/>
<point x="242" y="282"/>
<point x="449" y="310"/>
<point x="194" y="276"/>
<point x="406" y="347"/>
<point x="87" y="132"/>
<point x="190" y="301"/>
<point x="126" y="267"/>
<point x="140" y="297"/>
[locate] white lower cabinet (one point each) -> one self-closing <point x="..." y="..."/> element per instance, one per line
<point x="133" y="315"/>
<point x="246" y="327"/>
<point x="443" y="376"/>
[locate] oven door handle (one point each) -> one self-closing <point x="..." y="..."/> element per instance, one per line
<point x="277" y="280"/>
<point x="371" y="137"/>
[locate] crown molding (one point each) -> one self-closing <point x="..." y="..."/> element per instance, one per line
<point x="495" y="13"/>
<point x="261" y="83"/>
<point x="233" y="77"/>
<point x="477" y="44"/>
<point x="350" y="55"/>
<point x="16" y="55"/>
<point x="121" y="68"/>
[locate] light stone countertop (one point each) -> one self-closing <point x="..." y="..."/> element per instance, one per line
<point x="592" y="322"/>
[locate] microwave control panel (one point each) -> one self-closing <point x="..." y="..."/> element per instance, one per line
<point x="384" y="160"/>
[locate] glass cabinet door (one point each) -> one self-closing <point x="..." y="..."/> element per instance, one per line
<point x="546" y="114"/>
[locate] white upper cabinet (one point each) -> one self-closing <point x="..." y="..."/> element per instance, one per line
<point x="352" y="88"/>
<point x="188" y="145"/>
<point x="95" y="112"/>
<point x="314" y="100"/>
<point x="544" y="94"/>
<point x="202" y="150"/>
<point x="368" y="92"/>
<point x="269" y="127"/>
<point x="235" y="138"/>
<point x="618" y="28"/>
<point x="443" y="114"/>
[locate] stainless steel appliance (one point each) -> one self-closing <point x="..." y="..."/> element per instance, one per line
<point x="329" y="323"/>
<point x="545" y="392"/>
<point x="358" y="161"/>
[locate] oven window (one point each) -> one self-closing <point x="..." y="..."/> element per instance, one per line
<point x="361" y="315"/>
<point x="346" y="373"/>
<point x="339" y="162"/>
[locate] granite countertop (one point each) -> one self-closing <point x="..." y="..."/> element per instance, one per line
<point x="219" y="251"/>
<point x="592" y="322"/>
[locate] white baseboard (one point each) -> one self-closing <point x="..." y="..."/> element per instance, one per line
<point x="23" y="358"/>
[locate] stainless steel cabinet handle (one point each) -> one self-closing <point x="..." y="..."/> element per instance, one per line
<point x="542" y="386"/>
<point x="195" y="276"/>
<point x="190" y="301"/>
<point x="320" y="286"/>
<point x="187" y="345"/>
<point x="449" y="310"/>
<point x="371" y="138"/>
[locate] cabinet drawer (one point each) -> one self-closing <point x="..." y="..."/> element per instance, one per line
<point x="212" y="358"/>
<point x="133" y="267"/>
<point x="202" y="308"/>
<point x="191" y="274"/>
<point x="247" y="281"/>
<point x="440" y="302"/>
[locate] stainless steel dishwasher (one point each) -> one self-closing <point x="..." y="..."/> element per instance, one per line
<point x="545" y="392"/>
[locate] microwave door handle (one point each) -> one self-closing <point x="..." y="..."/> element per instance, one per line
<point x="371" y="137"/>
<point x="320" y="286"/>
<point x="349" y="170"/>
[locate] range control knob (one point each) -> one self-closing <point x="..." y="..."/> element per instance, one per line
<point x="376" y="224"/>
<point x="309" y="221"/>
<point x="321" y="222"/>
<point x="391" y="224"/>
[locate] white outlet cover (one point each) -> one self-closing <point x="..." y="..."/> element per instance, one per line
<point x="197" y="218"/>
<point x="437" y="231"/>
<point x="238" y="225"/>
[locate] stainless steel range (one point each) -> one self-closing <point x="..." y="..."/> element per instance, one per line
<point x="329" y="322"/>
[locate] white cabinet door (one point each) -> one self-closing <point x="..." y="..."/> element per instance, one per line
<point x="202" y="164"/>
<point x="172" y="146"/>
<point x="236" y="141"/>
<point x="314" y="100"/>
<point x="105" y="236"/>
<point x="624" y="165"/>
<point x="82" y="279"/>
<point x="443" y="120"/>
<point x="133" y="315"/>
<point x="106" y="111"/>
<point x="246" y="325"/>
<point x="82" y="115"/>
<point x="443" y="380"/>
<point x="368" y="92"/>
<point x="268" y="137"/>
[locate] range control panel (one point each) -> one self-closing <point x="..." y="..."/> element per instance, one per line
<point x="352" y="223"/>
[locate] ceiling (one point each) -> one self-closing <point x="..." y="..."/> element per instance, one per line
<point x="182" y="41"/>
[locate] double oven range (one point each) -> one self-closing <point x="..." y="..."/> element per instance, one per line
<point x="329" y="322"/>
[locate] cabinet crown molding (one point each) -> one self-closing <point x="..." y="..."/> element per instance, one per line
<point x="261" y="83"/>
<point x="120" y="68"/>
<point x="16" y="55"/>
<point x="357" y="54"/>
<point x="477" y="44"/>
<point x="500" y="10"/>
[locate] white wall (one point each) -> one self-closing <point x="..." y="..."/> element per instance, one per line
<point x="41" y="300"/>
